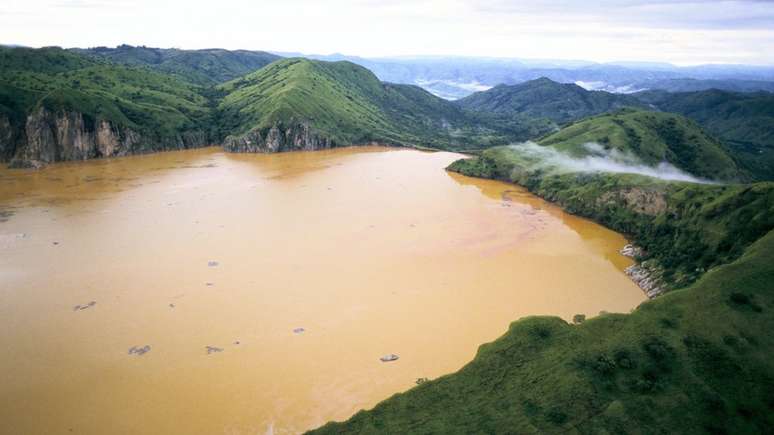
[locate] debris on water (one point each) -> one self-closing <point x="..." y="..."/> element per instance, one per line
<point x="388" y="358"/>
<point x="171" y="305"/>
<point x="298" y="330"/>
<point x="236" y="342"/>
<point x="212" y="263"/>
<point x="56" y="243"/>
<point x="213" y="349"/>
<point x="139" y="351"/>
<point x="80" y="307"/>
<point x="210" y="284"/>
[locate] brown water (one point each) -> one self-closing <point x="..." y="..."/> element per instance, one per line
<point x="371" y="250"/>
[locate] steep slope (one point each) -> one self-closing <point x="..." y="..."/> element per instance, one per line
<point x="306" y="104"/>
<point x="203" y="67"/>
<point x="744" y="121"/>
<point x="653" y="137"/>
<point x="546" y="98"/>
<point x="56" y="105"/>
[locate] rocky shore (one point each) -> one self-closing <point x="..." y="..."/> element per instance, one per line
<point x="647" y="274"/>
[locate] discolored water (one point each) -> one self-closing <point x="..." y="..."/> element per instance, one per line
<point x="257" y="293"/>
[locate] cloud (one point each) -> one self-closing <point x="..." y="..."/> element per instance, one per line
<point x="682" y="14"/>
<point x="599" y="160"/>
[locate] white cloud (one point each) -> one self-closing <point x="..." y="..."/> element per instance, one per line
<point x="678" y="31"/>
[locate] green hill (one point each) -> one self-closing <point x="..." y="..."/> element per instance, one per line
<point x="53" y="93"/>
<point x="545" y="98"/>
<point x="307" y="104"/>
<point x="744" y="121"/>
<point x="203" y="67"/>
<point x="653" y="137"/>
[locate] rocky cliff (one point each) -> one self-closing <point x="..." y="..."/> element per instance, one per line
<point x="50" y="136"/>
<point x="8" y="138"/>
<point x="278" y="138"/>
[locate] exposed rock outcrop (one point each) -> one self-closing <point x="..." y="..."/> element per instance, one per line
<point x="68" y="135"/>
<point x="8" y="138"/>
<point x="295" y="137"/>
<point x="647" y="275"/>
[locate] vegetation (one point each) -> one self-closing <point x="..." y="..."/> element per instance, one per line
<point x="653" y="137"/>
<point x="154" y="104"/>
<point x="203" y="67"/>
<point x="744" y="121"/>
<point x="348" y="104"/>
<point x="545" y="98"/>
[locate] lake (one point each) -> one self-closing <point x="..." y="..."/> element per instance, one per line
<point x="206" y="292"/>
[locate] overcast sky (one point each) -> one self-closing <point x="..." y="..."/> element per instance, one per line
<point x="678" y="31"/>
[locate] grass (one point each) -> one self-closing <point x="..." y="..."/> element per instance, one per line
<point x="743" y="120"/>
<point x="653" y="137"/>
<point x="544" y="98"/>
<point x="347" y="104"/>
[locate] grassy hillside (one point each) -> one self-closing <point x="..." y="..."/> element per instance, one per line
<point x="653" y="137"/>
<point x="744" y="121"/>
<point x="347" y="104"/>
<point x="150" y="102"/>
<point x="544" y="98"/>
<point x="693" y="361"/>
<point x="204" y="67"/>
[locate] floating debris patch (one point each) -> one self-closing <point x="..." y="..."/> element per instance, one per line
<point x="389" y="357"/>
<point x="139" y="351"/>
<point x="213" y="349"/>
<point x="81" y="307"/>
<point x="299" y="330"/>
<point x="212" y="263"/>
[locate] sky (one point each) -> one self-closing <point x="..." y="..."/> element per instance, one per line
<point x="683" y="32"/>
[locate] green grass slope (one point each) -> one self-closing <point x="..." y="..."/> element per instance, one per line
<point x="654" y="137"/>
<point x="744" y="121"/>
<point x="693" y="361"/>
<point x="347" y="104"/>
<point x="204" y="67"/>
<point x="545" y="98"/>
<point x="159" y="106"/>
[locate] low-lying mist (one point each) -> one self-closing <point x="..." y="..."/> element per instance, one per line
<point x="600" y="159"/>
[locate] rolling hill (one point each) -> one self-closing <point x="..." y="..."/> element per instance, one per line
<point x="653" y="137"/>
<point x="203" y="67"/>
<point x="307" y="104"/>
<point x="744" y="121"/>
<point x="545" y="98"/>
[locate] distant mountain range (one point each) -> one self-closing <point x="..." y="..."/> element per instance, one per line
<point x="457" y="77"/>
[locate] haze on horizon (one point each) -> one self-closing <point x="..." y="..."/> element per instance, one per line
<point x="683" y="32"/>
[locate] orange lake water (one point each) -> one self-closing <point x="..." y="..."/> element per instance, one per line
<point x="370" y="250"/>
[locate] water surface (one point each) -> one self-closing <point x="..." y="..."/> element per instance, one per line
<point x="371" y="251"/>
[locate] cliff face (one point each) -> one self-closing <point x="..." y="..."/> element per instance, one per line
<point x="67" y="135"/>
<point x="7" y="139"/>
<point x="278" y="138"/>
